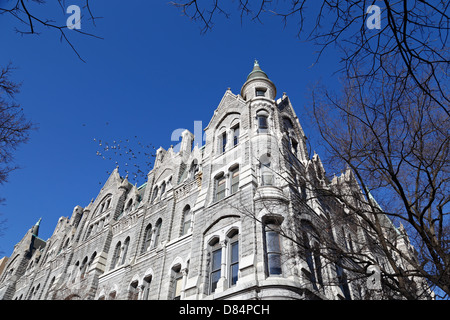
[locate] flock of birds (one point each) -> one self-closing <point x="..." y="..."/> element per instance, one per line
<point x="135" y="156"/>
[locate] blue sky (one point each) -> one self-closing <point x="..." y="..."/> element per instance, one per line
<point x="153" y="72"/>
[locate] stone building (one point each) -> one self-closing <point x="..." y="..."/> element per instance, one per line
<point x="209" y="223"/>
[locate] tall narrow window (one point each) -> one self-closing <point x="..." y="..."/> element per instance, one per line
<point x="220" y="187"/>
<point x="187" y="217"/>
<point x="263" y="123"/>
<point x="342" y="279"/>
<point x="234" y="180"/>
<point x="318" y="264"/>
<point x="234" y="260"/>
<point x="133" y="293"/>
<point x="146" y="287"/>
<point x="309" y="260"/>
<point x="223" y="142"/>
<point x="266" y="171"/>
<point x="157" y="233"/>
<point x="273" y="250"/>
<point x="125" y="250"/>
<point x="236" y="135"/>
<point x="163" y="189"/>
<point x="183" y="172"/>
<point x="147" y="238"/>
<point x="193" y="169"/>
<point x="89" y="231"/>
<point x="83" y="268"/>
<point x="155" y="194"/>
<point x="215" y="268"/>
<point x="294" y="145"/>
<point x="116" y="255"/>
<point x="177" y="283"/>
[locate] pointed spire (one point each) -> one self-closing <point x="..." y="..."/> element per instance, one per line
<point x="35" y="229"/>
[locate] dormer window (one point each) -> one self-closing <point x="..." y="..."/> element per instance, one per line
<point x="260" y="92"/>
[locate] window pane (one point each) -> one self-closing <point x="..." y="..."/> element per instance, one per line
<point x="262" y="121"/>
<point x="178" y="288"/>
<point x="274" y="261"/>
<point x="267" y="179"/>
<point x="235" y="181"/>
<point x="216" y="260"/>
<point x="187" y="221"/>
<point x="215" y="276"/>
<point x="220" y="194"/>
<point x="223" y="142"/>
<point x="236" y="136"/>
<point x="234" y="269"/>
<point x="235" y="252"/>
<point x="234" y="273"/>
<point x="273" y="242"/>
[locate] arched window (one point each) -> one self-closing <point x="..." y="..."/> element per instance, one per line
<point x="88" y="234"/>
<point x="177" y="282"/>
<point x="129" y="205"/>
<point x="263" y="121"/>
<point x="287" y="125"/>
<point x="215" y="251"/>
<point x="220" y="186"/>
<point x="91" y="260"/>
<point x="155" y="194"/>
<point x="273" y="247"/>
<point x="193" y="169"/>
<point x="49" y="289"/>
<point x="157" y="233"/>
<point x="233" y="239"/>
<point x="147" y="238"/>
<point x="183" y="172"/>
<point x="187" y="220"/>
<point x="163" y="189"/>
<point x="83" y="267"/>
<point x="125" y="250"/>
<point x="146" y="287"/>
<point x="235" y="130"/>
<point x="75" y="271"/>
<point x="342" y="279"/>
<point x="133" y="292"/>
<point x="116" y="255"/>
<point x="234" y="175"/>
<point x="108" y="202"/>
<point x="222" y="142"/>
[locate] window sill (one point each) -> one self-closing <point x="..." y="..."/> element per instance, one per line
<point x="214" y="202"/>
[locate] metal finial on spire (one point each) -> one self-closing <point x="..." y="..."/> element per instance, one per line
<point x="35" y="229"/>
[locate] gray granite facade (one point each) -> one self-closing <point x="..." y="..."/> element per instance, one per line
<point x="203" y="226"/>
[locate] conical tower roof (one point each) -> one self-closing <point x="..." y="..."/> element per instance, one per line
<point x="257" y="72"/>
<point x="258" y="75"/>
